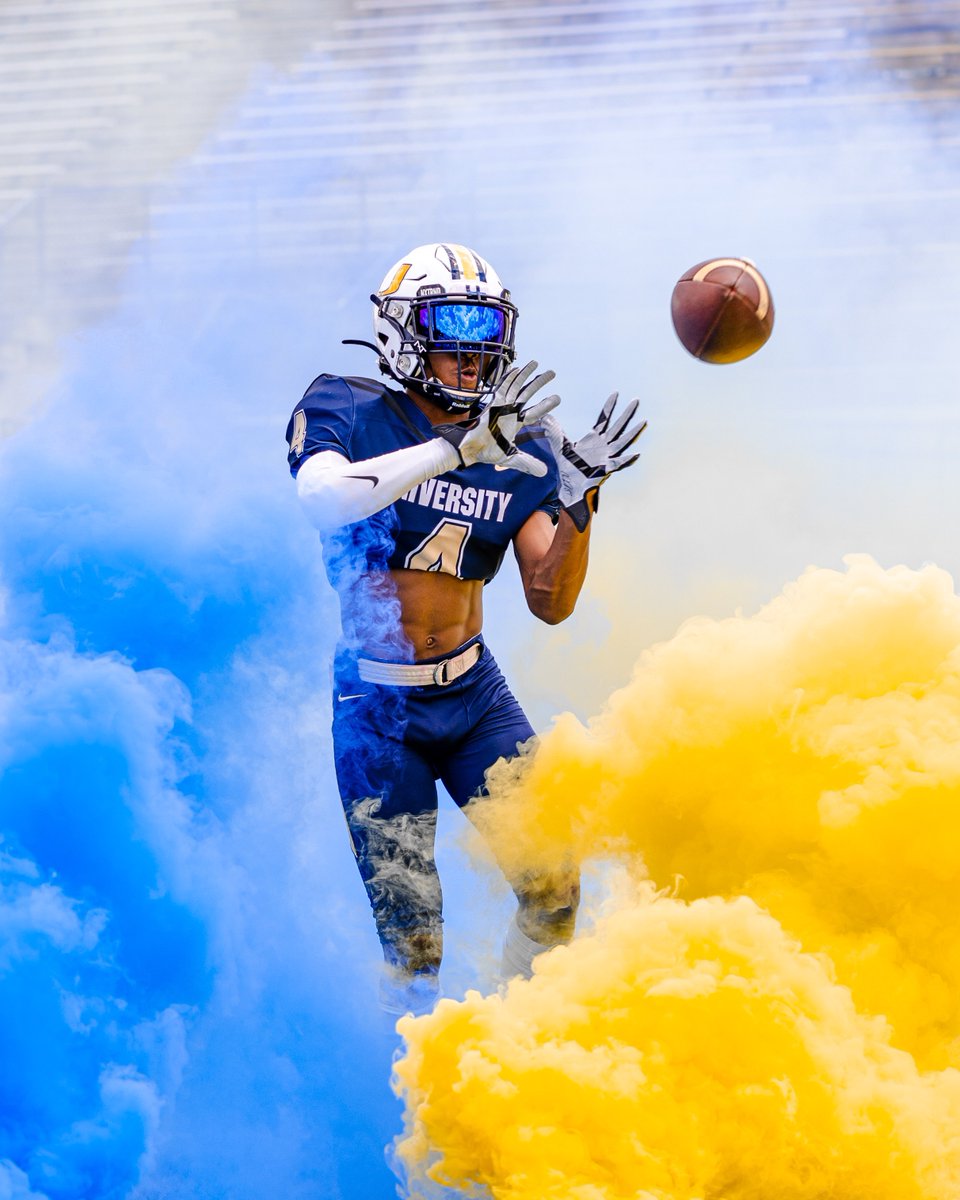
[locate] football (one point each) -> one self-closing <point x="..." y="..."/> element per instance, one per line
<point x="722" y="310"/>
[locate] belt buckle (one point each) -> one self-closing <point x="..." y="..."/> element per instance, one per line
<point x="439" y="674"/>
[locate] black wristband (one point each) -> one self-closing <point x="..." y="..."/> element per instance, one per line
<point x="581" y="511"/>
<point x="454" y="434"/>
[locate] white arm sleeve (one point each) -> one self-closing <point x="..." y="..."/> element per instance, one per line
<point x="335" y="491"/>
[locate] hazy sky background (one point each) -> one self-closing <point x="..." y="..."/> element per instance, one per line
<point x="191" y="219"/>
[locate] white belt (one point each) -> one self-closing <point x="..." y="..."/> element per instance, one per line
<point x="418" y="674"/>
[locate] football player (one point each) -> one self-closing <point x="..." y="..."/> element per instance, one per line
<point x="418" y="486"/>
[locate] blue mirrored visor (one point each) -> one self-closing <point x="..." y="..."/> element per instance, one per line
<point x="441" y="324"/>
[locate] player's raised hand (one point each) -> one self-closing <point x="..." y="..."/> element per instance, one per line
<point x="492" y="436"/>
<point x="587" y="462"/>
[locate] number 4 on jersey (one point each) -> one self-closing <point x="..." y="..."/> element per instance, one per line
<point x="441" y="550"/>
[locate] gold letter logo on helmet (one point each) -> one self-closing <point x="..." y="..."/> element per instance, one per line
<point x="396" y="280"/>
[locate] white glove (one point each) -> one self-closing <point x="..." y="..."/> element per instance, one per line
<point x="491" y="437"/>
<point x="586" y="463"/>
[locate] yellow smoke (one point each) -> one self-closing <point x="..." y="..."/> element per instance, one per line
<point x="787" y="1024"/>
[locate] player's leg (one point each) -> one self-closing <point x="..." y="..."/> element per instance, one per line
<point x="497" y="728"/>
<point x="389" y="797"/>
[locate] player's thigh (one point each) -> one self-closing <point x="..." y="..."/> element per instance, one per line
<point x="500" y="732"/>
<point x="387" y="787"/>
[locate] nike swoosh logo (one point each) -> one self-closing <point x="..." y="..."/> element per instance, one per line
<point x="355" y="696"/>
<point x="374" y="479"/>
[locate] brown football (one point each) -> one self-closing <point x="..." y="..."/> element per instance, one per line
<point x="722" y="310"/>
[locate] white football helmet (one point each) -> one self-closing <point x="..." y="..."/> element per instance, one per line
<point x="444" y="298"/>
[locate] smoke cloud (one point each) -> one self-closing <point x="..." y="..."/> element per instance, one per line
<point x="769" y="1005"/>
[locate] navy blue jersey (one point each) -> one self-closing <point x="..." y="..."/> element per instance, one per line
<point x="460" y="523"/>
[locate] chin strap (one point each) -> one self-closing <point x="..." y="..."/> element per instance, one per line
<point x="430" y="388"/>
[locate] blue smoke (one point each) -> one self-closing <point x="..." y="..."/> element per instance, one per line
<point x="187" y="963"/>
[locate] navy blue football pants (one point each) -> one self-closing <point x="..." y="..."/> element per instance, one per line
<point x="391" y="745"/>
